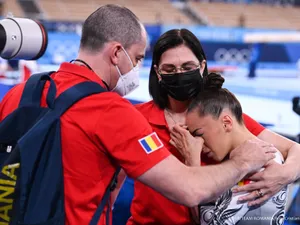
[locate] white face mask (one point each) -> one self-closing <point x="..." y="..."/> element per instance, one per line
<point x="129" y="81"/>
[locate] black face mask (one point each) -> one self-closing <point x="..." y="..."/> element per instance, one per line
<point x="182" y="86"/>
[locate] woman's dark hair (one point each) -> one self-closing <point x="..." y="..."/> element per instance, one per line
<point x="171" y="39"/>
<point x="213" y="99"/>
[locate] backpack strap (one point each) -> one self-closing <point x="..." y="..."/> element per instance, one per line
<point x="105" y="200"/>
<point x="66" y="99"/>
<point x="33" y="90"/>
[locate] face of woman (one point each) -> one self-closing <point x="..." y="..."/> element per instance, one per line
<point x="179" y="73"/>
<point x="213" y="131"/>
<point x="177" y="60"/>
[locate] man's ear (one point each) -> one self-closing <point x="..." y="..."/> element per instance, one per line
<point x="114" y="51"/>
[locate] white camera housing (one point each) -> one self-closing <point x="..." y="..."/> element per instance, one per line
<point x="22" y="38"/>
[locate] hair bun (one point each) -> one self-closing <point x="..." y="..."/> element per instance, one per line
<point x="213" y="81"/>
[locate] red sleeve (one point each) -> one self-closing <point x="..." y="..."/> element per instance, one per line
<point x="122" y="130"/>
<point x="10" y="101"/>
<point x="253" y="126"/>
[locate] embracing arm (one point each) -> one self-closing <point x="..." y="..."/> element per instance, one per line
<point x="191" y="186"/>
<point x="290" y="151"/>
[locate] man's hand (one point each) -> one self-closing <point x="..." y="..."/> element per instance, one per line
<point x="269" y="181"/>
<point x="253" y="154"/>
<point x="190" y="147"/>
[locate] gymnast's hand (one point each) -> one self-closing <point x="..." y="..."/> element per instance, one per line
<point x="189" y="147"/>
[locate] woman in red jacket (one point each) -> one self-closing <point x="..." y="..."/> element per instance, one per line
<point x="178" y="73"/>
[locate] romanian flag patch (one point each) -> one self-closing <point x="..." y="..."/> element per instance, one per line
<point x="243" y="182"/>
<point x="151" y="143"/>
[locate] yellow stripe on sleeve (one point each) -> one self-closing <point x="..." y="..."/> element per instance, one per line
<point x="151" y="143"/>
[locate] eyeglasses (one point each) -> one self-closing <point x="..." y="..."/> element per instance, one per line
<point x="171" y="69"/>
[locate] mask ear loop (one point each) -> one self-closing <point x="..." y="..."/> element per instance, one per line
<point x="158" y="73"/>
<point x="199" y="68"/>
<point x="119" y="72"/>
<point x="120" y="77"/>
<point x="127" y="56"/>
<point x="159" y="80"/>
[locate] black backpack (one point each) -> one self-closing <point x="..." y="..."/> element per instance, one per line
<point x="31" y="178"/>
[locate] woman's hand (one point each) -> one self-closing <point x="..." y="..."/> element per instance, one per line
<point x="190" y="147"/>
